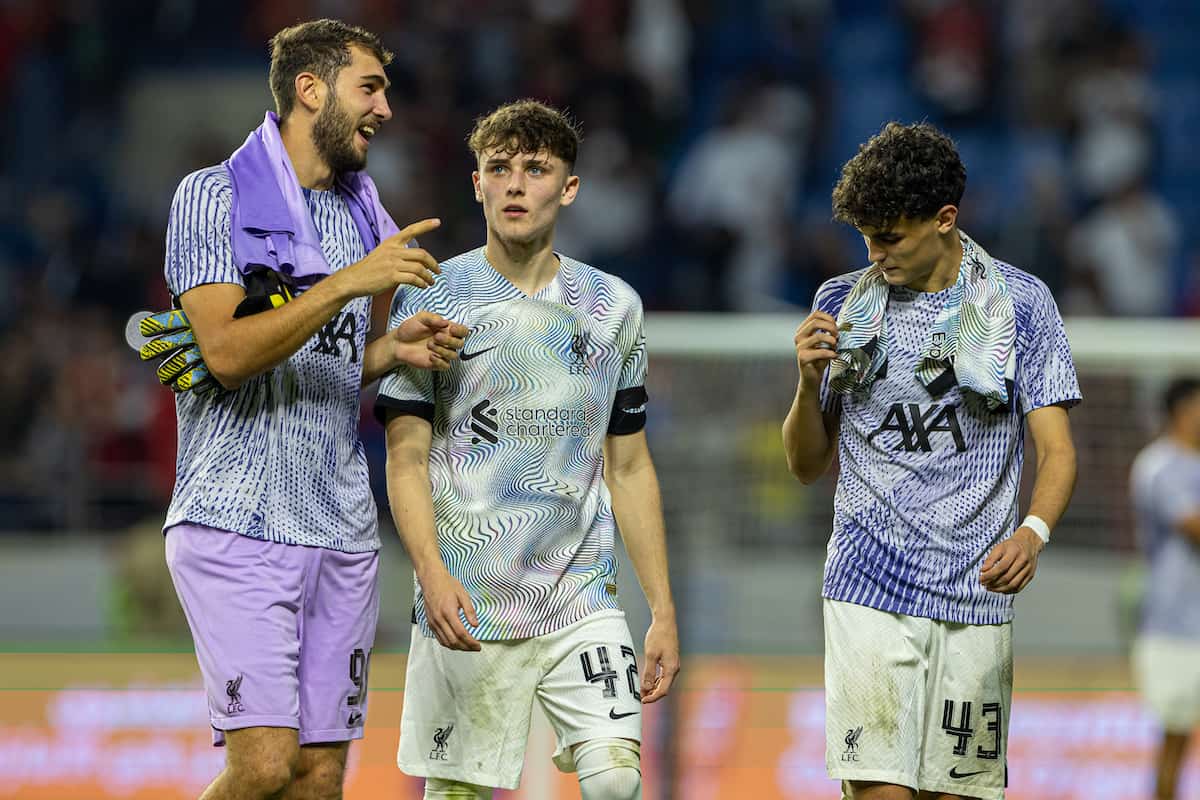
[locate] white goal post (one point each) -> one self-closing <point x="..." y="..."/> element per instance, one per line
<point x="1103" y="344"/>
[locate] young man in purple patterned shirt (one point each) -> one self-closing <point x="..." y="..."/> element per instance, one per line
<point x="922" y="371"/>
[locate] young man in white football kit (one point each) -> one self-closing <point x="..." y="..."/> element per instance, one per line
<point x="507" y="476"/>
<point x="923" y="370"/>
<point x="1166" y="656"/>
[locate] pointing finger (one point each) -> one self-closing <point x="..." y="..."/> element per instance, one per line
<point x="417" y="229"/>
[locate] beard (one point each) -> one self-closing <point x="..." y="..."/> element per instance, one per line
<point x="333" y="134"/>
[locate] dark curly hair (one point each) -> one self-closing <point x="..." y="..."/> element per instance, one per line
<point x="902" y="171"/>
<point x="527" y="126"/>
<point x="320" y="46"/>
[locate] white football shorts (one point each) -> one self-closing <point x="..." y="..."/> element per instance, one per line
<point x="1167" y="672"/>
<point x="916" y="702"/>
<point x="466" y="715"/>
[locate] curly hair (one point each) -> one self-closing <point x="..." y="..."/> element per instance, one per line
<point x="527" y="126"/>
<point x="903" y="171"/>
<point x="320" y="46"/>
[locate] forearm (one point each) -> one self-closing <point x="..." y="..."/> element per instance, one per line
<point x="378" y="360"/>
<point x="239" y="349"/>
<point x="1054" y="484"/>
<point x="638" y="510"/>
<point x="806" y="442"/>
<point x="412" y="511"/>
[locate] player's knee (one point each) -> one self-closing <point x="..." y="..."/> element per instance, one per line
<point x="442" y="789"/>
<point x="265" y="778"/>
<point x="260" y="765"/>
<point x="609" y="769"/>
<point x="321" y="778"/>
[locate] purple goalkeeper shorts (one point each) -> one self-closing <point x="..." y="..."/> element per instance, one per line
<point x="283" y="632"/>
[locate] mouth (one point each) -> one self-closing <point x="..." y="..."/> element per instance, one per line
<point x="514" y="211"/>
<point x="366" y="132"/>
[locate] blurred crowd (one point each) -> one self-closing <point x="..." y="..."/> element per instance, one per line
<point x="713" y="133"/>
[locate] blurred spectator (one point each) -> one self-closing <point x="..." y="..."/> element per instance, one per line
<point x="733" y="196"/>
<point x="1126" y="246"/>
<point x="954" y="64"/>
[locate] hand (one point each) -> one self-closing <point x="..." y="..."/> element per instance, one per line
<point x="168" y="335"/>
<point x="1010" y="566"/>
<point x="816" y="346"/>
<point x="661" y="660"/>
<point x="392" y="263"/>
<point x="425" y="341"/>
<point x="444" y="597"/>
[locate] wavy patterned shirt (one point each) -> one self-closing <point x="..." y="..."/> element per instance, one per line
<point x="524" y="519"/>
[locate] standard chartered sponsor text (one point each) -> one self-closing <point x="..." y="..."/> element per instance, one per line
<point x="544" y="422"/>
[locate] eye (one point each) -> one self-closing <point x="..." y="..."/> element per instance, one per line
<point x="536" y="171"/>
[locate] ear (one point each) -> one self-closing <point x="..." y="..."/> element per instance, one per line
<point x="947" y="217"/>
<point x="570" y="190"/>
<point x="310" y="91"/>
<point x="475" y="183"/>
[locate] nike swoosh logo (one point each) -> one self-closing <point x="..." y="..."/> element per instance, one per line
<point x="612" y="714"/>
<point x="954" y="773"/>
<point x="469" y="356"/>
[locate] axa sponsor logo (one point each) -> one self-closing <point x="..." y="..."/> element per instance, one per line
<point x="916" y="426"/>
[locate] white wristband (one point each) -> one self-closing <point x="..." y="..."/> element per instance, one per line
<point x="1038" y="526"/>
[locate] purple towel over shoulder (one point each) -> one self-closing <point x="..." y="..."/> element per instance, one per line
<point x="270" y="223"/>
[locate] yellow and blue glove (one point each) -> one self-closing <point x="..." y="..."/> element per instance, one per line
<point x="167" y="335"/>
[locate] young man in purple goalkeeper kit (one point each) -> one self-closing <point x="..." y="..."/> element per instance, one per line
<point x="924" y="370"/>
<point x="507" y="476"/>
<point x="271" y="534"/>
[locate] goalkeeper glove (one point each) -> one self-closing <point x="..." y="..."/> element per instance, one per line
<point x="167" y="335"/>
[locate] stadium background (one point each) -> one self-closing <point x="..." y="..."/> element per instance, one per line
<point x="713" y="134"/>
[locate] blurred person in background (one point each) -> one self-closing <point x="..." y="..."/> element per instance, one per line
<point x="733" y="196"/>
<point x="922" y="371"/>
<point x="1166" y="657"/>
<point x="507" y="477"/>
<point x="271" y="535"/>
<point x="1126" y="245"/>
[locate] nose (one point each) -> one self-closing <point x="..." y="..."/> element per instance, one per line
<point x="382" y="109"/>
<point x="516" y="182"/>
<point x="875" y="253"/>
